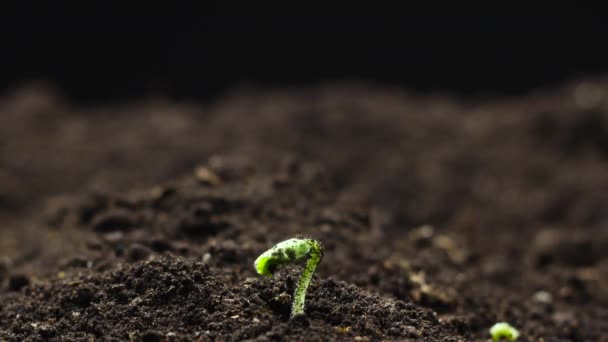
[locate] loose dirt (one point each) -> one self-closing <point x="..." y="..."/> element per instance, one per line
<point x="439" y="217"/>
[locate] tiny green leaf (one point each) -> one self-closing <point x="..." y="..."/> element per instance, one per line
<point x="287" y="252"/>
<point x="502" y="329"/>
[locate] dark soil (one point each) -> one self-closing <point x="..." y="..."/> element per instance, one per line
<point x="439" y="218"/>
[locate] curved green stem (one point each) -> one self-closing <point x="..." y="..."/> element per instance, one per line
<point x="314" y="258"/>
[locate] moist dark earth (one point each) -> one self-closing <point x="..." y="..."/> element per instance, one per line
<point x="439" y="217"/>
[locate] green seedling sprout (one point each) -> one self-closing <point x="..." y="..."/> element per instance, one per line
<point x="287" y="252"/>
<point x="502" y="329"/>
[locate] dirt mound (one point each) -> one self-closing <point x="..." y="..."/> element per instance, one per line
<point x="169" y="298"/>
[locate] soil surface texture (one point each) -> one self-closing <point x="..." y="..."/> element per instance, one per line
<point x="438" y="217"/>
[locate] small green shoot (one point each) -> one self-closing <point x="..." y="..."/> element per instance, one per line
<point x="290" y="251"/>
<point x="502" y="329"/>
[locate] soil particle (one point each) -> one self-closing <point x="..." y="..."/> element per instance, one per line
<point x="4" y="270"/>
<point x="17" y="282"/>
<point x="115" y="219"/>
<point x="571" y="249"/>
<point x="137" y="252"/>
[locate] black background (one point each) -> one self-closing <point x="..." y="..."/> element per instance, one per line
<point x="105" y="55"/>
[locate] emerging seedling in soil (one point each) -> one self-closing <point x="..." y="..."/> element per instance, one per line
<point x="290" y="251"/>
<point x="502" y="329"/>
